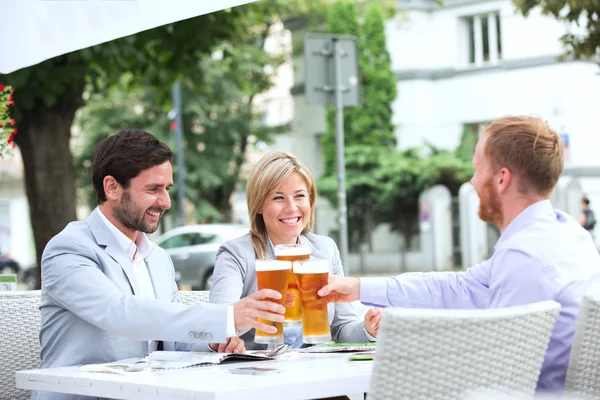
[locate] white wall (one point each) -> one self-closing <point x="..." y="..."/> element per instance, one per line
<point x="436" y="110"/>
<point x="16" y="236"/>
<point x="424" y="39"/>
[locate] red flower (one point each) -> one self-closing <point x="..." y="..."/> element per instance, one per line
<point x="12" y="121"/>
<point x="11" y="102"/>
<point x="10" y="139"/>
<point x="1" y="87"/>
<point x="14" y="132"/>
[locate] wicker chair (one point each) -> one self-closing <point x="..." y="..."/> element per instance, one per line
<point x="583" y="375"/>
<point x="191" y="297"/>
<point x="461" y="354"/>
<point x="19" y="339"/>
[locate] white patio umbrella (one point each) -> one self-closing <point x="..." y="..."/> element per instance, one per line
<point x="32" y="31"/>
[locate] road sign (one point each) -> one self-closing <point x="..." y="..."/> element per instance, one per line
<point x="332" y="78"/>
<point x="319" y="67"/>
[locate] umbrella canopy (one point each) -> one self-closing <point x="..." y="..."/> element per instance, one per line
<point x="32" y="31"/>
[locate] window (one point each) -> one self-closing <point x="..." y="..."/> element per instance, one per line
<point x="187" y="240"/>
<point x="174" y="242"/>
<point x="483" y="39"/>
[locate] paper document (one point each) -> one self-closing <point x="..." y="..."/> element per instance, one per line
<point x="340" y="348"/>
<point x="185" y="359"/>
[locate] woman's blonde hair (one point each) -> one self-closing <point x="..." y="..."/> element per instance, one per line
<point x="264" y="179"/>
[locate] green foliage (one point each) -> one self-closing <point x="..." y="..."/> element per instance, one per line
<point x="218" y="121"/>
<point x="368" y="129"/>
<point x="363" y="189"/>
<point x="575" y="13"/>
<point x="404" y="175"/>
<point x="468" y="141"/>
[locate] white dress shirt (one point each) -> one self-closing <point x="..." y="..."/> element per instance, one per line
<point x="137" y="253"/>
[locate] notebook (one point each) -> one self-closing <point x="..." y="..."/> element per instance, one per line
<point x="340" y="348"/>
<point x="185" y="359"/>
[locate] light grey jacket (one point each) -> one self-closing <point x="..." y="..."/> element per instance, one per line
<point x="89" y="311"/>
<point x="234" y="278"/>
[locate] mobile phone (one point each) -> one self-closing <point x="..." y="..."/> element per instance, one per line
<point x="254" y="371"/>
<point x="360" y="357"/>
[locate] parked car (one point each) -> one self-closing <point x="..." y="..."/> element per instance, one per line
<point x="28" y="276"/>
<point x="193" y="249"/>
<point x="8" y="265"/>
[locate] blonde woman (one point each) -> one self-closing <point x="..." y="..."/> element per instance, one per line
<point x="281" y="196"/>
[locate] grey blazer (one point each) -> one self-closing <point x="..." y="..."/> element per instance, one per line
<point x="234" y="278"/>
<point x="89" y="311"/>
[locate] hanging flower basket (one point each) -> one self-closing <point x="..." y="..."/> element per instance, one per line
<point x="7" y="124"/>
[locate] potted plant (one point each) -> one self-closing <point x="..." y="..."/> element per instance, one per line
<point x="7" y="124"/>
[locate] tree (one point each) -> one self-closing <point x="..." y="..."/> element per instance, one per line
<point x="404" y="175"/>
<point x="363" y="188"/>
<point x="219" y="122"/>
<point x="48" y="95"/>
<point x="368" y="129"/>
<point x="585" y="12"/>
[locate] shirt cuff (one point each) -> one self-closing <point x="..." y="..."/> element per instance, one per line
<point x="373" y="291"/>
<point x="371" y="338"/>
<point x="230" y="330"/>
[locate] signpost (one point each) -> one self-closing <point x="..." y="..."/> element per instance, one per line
<point x="332" y="78"/>
<point x="176" y="116"/>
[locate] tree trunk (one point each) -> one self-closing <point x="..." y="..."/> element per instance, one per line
<point x="43" y="139"/>
<point x="368" y="227"/>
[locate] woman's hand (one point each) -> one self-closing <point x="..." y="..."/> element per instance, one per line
<point x="372" y="319"/>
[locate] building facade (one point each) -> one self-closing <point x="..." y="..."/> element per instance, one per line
<point x="461" y="65"/>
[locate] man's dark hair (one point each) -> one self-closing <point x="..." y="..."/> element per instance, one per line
<point x="124" y="156"/>
<point x="586" y="201"/>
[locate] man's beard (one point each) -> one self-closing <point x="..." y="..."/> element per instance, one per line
<point x="490" y="209"/>
<point x="131" y="217"/>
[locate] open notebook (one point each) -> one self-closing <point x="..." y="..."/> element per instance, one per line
<point x="184" y="359"/>
<point x="340" y="348"/>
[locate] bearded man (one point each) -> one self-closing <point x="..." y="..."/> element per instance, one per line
<point x="542" y="254"/>
<point x="108" y="293"/>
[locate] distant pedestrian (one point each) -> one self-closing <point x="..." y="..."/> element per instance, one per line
<point x="587" y="219"/>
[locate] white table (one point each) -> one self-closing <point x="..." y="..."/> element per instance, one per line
<point x="304" y="376"/>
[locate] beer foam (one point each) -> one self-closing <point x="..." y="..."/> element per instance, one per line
<point x="272" y="265"/>
<point x="296" y="250"/>
<point x="313" y="266"/>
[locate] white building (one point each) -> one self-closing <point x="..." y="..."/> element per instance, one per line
<point x="16" y="237"/>
<point x="466" y="63"/>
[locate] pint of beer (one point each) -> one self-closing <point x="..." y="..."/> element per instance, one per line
<point x="311" y="276"/>
<point x="292" y="252"/>
<point x="272" y="274"/>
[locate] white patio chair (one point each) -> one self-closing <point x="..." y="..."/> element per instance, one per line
<point x="583" y="375"/>
<point x="458" y="354"/>
<point x="19" y="339"/>
<point x="190" y="297"/>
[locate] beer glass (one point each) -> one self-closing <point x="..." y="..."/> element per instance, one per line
<point x="292" y="252"/>
<point x="311" y="276"/>
<point x="272" y="274"/>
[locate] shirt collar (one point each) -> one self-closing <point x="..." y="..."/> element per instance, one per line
<point x="142" y="243"/>
<point x="536" y="210"/>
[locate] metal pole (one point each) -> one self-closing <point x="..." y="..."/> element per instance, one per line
<point x="179" y="149"/>
<point x="339" y="147"/>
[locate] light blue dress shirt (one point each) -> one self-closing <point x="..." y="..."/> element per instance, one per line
<point x="543" y="254"/>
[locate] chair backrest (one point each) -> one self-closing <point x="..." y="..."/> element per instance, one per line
<point x="583" y="374"/>
<point x="457" y="354"/>
<point x="196" y="296"/>
<point x="19" y="340"/>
